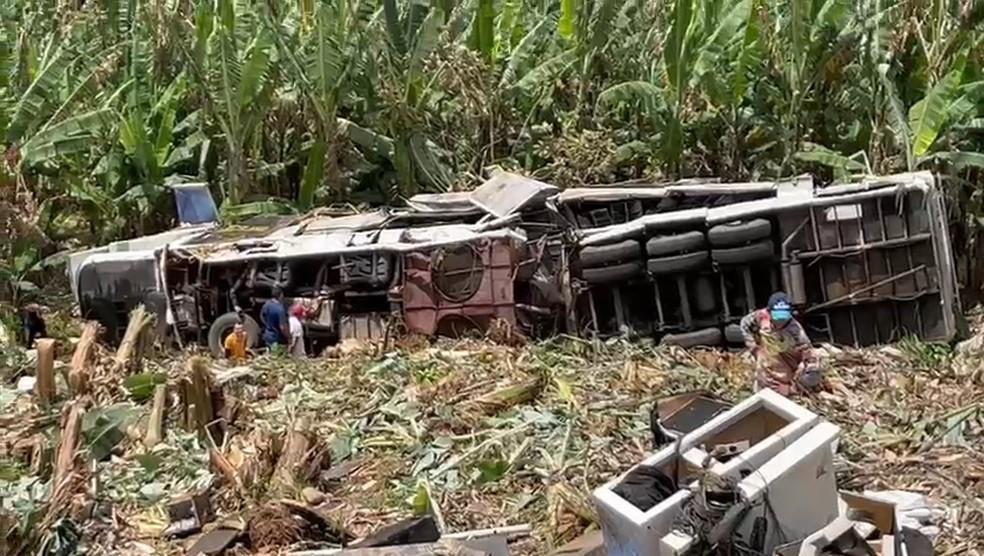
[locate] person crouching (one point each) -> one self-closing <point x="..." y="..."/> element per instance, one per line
<point x="785" y="360"/>
<point x="236" y="344"/>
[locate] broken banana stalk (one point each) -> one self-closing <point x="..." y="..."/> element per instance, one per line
<point x="509" y="396"/>
<point x="136" y="341"/>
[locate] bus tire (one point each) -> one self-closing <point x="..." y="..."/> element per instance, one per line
<point x="222" y="327"/>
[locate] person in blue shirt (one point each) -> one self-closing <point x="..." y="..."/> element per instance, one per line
<point x="274" y="318"/>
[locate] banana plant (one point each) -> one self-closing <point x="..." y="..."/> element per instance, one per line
<point x="146" y="106"/>
<point x="146" y="134"/>
<point x="724" y="73"/>
<point x="14" y="274"/>
<point x="20" y="252"/>
<point x="55" y="87"/>
<point x="530" y="64"/>
<point x="593" y="34"/>
<point x="324" y="46"/>
<point x="811" y="36"/>
<point x="48" y="131"/>
<point x="926" y="130"/>
<point x="699" y="37"/>
<point x="948" y="104"/>
<point x="413" y="33"/>
<point x="8" y="37"/>
<point x="75" y="124"/>
<point x="230" y="60"/>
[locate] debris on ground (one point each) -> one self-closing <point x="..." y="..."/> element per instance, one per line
<point x="308" y="455"/>
<point x="740" y="479"/>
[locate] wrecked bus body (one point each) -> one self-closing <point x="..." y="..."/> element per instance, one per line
<point x="864" y="263"/>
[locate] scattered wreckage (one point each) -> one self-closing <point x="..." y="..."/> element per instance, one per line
<point x="723" y="452"/>
<point x="757" y="478"/>
<point x="864" y="263"/>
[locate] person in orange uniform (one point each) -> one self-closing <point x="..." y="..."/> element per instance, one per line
<point x="236" y="343"/>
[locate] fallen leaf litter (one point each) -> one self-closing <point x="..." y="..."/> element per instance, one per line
<point x="481" y="434"/>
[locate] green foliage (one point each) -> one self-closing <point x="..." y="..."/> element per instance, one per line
<point x="287" y="106"/>
<point x="640" y="95"/>
<point x="104" y="428"/>
<point x="492" y="470"/>
<point x="927" y="356"/>
<point x="178" y="465"/>
<point x="11" y="469"/>
<point x="927" y="117"/>
<point x="141" y="386"/>
<point x="842" y="165"/>
<point x="24" y="498"/>
<point x="34" y="102"/>
<point x="421" y="501"/>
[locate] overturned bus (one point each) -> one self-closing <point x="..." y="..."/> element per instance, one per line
<point x="864" y="263"/>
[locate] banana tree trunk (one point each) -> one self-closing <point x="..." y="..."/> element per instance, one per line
<point x="235" y="175"/>
<point x="332" y="173"/>
<point x="403" y="164"/>
<point x="313" y="174"/>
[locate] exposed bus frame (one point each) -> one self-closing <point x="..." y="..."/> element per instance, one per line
<point x="524" y="265"/>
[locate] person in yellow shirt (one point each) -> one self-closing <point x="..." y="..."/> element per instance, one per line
<point x="235" y="343"/>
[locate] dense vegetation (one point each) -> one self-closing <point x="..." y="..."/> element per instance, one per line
<point x="286" y="105"/>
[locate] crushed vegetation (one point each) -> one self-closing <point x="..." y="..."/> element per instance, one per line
<point x="305" y="454"/>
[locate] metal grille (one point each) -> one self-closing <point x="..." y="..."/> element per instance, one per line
<point x="457" y="272"/>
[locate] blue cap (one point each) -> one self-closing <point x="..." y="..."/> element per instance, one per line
<point x="779" y="307"/>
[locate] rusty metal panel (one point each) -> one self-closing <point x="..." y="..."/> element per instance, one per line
<point x="433" y="293"/>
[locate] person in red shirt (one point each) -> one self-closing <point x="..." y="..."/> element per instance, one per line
<point x="785" y="360"/>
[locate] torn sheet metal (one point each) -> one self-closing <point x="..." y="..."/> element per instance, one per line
<point x="839" y="537"/>
<point x="455" y="201"/>
<point x="340" y="242"/>
<point x="751" y="209"/>
<point x="506" y="193"/>
<point x="214" y="542"/>
<point x="639" y="226"/>
<point x="361" y="221"/>
<point x="924" y="179"/>
<point x="417" y="530"/>
<point x="684" y="413"/>
<point x="450" y="547"/>
<point x="603" y="194"/>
